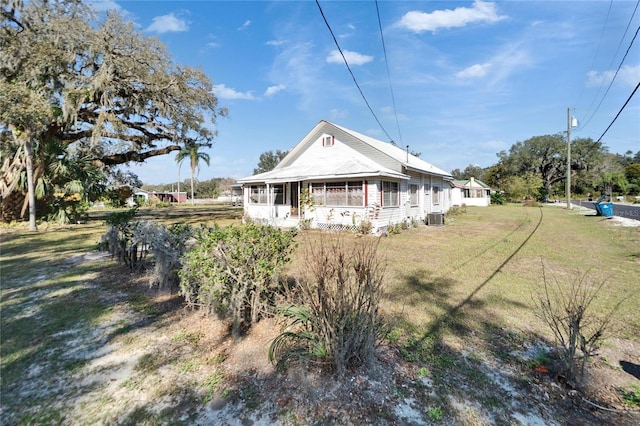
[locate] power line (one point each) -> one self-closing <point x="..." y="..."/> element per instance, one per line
<point x="618" y="114"/>
<point x="619" y="66"/>
<point x="614" y="77"/>
<point x="595" y="55"/>
<point x="386" y="61"/>
<point x="335" y="40"/>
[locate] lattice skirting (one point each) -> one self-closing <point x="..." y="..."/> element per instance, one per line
<point x="336" y="227"/>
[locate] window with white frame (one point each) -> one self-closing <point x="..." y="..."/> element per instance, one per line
<point x="436" y="194"/>
<point x="277" y="194"/>
<point x="317" y="193"/>
<point x="349" y="193"/>
<point x="413" y="194"/>
<point x="328" y="140"/>
<point x="389" y="194"/>
<point x="335" y="194"/>
<point x="258" y="194"/>
<point x="355" y="194"/>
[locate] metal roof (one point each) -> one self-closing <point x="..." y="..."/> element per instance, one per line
<point x="361" y="166"/>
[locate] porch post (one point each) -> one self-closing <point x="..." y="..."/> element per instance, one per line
<point x="269" y="203"/>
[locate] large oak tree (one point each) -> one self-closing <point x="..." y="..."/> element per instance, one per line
<point x="546" y="157"/>
<point x="98" y="86"/>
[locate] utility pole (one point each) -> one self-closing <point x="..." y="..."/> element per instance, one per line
<point x="569" y="158"/>
<point x="571" y="122"/>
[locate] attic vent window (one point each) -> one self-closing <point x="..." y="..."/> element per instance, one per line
<point x="328" y="140"/>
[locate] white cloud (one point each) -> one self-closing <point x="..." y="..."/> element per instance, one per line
<point x="213" y="44"/>
<point x="350" y="30"/>
<point x="418" y="22"/>
<point x="508" y="60"/>
<point x="474" y="71"/>
<point x="353" y="58"/>
<point x="628" y="76"/>
<point x="296" y="64"/>
<point x="245" y="25"/>
<point x="272" y="90"/>
<point x="224" y="92"/>
<point x="275" y="42"/>
<point x="168" y="23"/>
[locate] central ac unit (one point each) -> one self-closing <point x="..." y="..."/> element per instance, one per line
<point x="435" y="219"/>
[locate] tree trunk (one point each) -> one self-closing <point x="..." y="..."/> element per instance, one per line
<point x="193" y="201"/>
<point x="179" y="164"/>
<point x="31" y="190"/>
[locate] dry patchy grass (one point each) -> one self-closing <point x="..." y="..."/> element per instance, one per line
<point x="86" y="342"/>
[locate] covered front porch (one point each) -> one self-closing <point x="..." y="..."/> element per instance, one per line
<point x="352" y="204"/>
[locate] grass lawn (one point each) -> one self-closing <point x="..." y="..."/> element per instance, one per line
<point x="85" y="341"/>
<point x="488" y="264"/>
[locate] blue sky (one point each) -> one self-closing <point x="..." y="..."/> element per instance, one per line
<point x="469" y="78"/>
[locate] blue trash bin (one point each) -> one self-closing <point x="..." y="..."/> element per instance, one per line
<point x="607" y="209"/>
<point x="598" y="209"/>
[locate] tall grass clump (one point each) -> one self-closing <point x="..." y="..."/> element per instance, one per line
<point x="232" y="272"/>
<point x="335" y="318"/>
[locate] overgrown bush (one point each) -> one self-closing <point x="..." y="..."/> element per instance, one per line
<point x="336" y="319"/>
<point x="118" y="239"/>
<point x="167" y="245"/>
<point x="130" y="241"/>
<point x="68" y="208"/>
<point x="232" y="272"/>
<point x="565" y="306"/>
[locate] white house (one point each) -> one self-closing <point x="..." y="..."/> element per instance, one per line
<point x="335" y="178"/>
<point x="470" y="192"/>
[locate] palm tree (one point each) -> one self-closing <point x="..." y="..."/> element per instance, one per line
<point x="191" y="150"/>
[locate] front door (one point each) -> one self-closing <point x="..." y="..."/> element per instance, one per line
<point x="294" y="199"/>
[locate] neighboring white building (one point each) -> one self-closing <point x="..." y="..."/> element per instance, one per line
<point x="470" y="192"/>
<point x="337" y="178"/>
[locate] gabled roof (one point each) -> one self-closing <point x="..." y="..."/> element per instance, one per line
<point x="466" y="183"/>
<point x="408" y="160"/>
<point x="378" y="159"/>
<point x="346" y="168"/>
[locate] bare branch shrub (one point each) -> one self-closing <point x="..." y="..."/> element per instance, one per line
<point x="565" y="305"/>
<point x="167" y="245"/>
<point x="119" y="240"/>
<point x="336" y="320"/>
<point x="130" y="241"/>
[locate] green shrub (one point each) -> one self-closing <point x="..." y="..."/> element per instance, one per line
<point x="336" y="318"/>
<point x="232" y="272"/>
<point x="498" y="198"/>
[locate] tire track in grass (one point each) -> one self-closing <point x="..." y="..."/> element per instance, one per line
<point x="488" y="251"/>
<point x="435" y="326"/>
